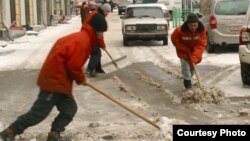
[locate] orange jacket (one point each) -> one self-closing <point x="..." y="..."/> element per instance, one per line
<point x="86" y="22"/>
<point x="65" y="62"/>
<point x="185" y="41"/>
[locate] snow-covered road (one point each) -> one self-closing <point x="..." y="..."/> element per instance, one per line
<point x="29" y="52"/>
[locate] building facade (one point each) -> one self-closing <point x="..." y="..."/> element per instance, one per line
<point x="18" y="16"/>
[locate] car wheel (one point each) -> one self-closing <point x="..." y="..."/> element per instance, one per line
<point x="165" y="41"/>
<point x="210" y="48"/>
<point x="119" y="12"/>
<point x="125" y="41"/>
<point x="245" y="73"/>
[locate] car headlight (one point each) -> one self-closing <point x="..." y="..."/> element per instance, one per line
<point x="161" y="27"/>
<point x="130" y="27"/>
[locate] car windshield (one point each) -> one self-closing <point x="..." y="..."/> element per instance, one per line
<point x="139" y="12"/>
<point x="99" y="1"/>
<point x="123" y="4"/>
<point x="234" y="7"/>
<point x="166" y="2"/>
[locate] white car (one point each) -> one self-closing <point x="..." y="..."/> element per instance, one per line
<point x="171" y="4"/>
<point x="223" y="20"/>
<point x="244" y="49"/>
<point x="145" y="22"/>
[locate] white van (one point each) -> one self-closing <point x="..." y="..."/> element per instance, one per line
<point x="223" y="20"/>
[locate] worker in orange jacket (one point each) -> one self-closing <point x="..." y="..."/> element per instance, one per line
<point x="61" y="68"/>
<point x="94" y="65"/>
<point x="190" y="41"/>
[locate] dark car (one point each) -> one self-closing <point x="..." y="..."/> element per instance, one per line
<point x="99" y="3"/>
<point x="112" y="4"/>
<point x="122" y="6"/>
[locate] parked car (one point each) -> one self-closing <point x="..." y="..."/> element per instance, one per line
<point x="223" y="20"/>
<point x="170" y="5"/>
<point x="166" y="12"/>
<point x="149" y="1"/>
<point x="244" y="50"/>
<point x="144" y="22"/>
<point x="122" y="6"/>
<point x="99" y="2"/>
<point x="112" y="4"/>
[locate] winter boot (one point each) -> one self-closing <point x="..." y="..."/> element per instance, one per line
<point x="91" y="73"/>
<point x="7" y="135"/>
<point x="187" y="84"/>
<point x="55" y="136"/>
<point x="99" y="70"/>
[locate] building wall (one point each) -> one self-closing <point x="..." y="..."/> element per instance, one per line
<point x="34" y="7"/>
<point x="18" y="14"/>
<point x="50" y="12"/>
<point x="4" y="19"/>
<point x="6" y="12"/>
<point x="1" y="13"/>
<point x="41" y="9"/>
<point x="32" y="11"/>
<point x="23" y="14"/>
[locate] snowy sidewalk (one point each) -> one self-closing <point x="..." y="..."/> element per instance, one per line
<point x="29" y="52"/>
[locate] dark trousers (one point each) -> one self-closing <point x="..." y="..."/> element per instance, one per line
<point x="41" y="108"/>
<point x="95" y="60"/>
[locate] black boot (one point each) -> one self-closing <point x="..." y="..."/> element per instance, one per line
<point x="90" y="73"/>
<point x="187" y="84"/>
<point x="98" y="68"/>
<point x="54" y="136"/>
<point x="7" y="135"/>
<point x="99" y="71"/>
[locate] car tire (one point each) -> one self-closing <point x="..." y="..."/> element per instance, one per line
<point x="165" y="41"/>
<point x="125" y="41"/>
<point x="245" y="73"/>
<point x="210" y="48"/>
<point x="119" y="12"/>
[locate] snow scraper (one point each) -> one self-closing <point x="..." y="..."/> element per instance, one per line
<point x="111" y="58"/>
<point x="123" y="106"/>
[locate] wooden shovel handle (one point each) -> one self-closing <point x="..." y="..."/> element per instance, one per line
<point x="122" y="105"/>
<point x="111" y="58"/>
<point x="195" y="70"/>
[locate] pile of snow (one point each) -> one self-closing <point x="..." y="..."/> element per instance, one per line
<point x="3" y="43"/>
<point x="120" y="84"/>
<point x="1" y="126"/>
<point x="166" y="125"/>
<point x="204" y="95"/>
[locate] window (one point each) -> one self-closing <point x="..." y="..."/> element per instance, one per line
<point x="177" y="2"/>
<point x="99" y="1"/>
<point x="231" y="7"/>
<point x="144" y="12"/>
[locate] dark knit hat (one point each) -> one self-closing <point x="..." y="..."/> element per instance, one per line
<point x="192" y="18"/>
<point x="99" y="23"/>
